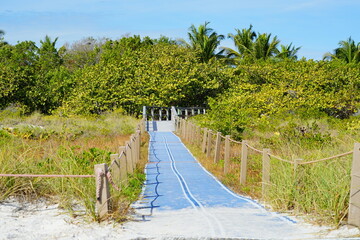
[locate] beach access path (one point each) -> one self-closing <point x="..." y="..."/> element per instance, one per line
<point x="182" y="199"/>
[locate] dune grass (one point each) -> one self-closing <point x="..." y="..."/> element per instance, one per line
<point x="40" y="144"/>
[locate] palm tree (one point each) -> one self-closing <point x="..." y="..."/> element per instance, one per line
<point x="244" y="42"/>
<point x="252" y="46"/>
<point x="288" y="52"/>
<point x="49" y="55"/>
<point x="2" y="42"/>
<point x="204" y="40"/>
<point x="265" y="47"/>
<point x="347" y="51"/>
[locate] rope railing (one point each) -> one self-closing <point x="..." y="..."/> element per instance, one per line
<point x="223" y="137"/>
<point x="328" y="158"/>
<point x="280" y="159"/>
<point x="213" y="133"/>
<point x="46" y="175"/>
<point x="234" y="141"/>
<point x="207" y="146"/>
<point x="102" y="175"/>
<point x="254" y="149"/>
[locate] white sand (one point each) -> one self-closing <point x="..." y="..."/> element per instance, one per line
<point x="39" y="221"/>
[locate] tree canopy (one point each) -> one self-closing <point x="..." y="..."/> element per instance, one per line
<point x="92" y="76"/>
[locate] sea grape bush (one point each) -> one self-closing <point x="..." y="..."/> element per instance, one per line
<point x="132" y="71"/>
<point x="266" y="89"/>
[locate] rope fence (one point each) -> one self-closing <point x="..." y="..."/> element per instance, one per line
<point x="208" y="132"/>
<point x="47" y="176"/>
<point x="115" y="174"/>
<point x="220" y="148"/>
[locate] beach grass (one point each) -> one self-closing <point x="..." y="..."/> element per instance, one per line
<point x="54" y="145"/>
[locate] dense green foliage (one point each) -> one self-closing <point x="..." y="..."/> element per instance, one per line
<point x="160" y="74"/>
<point x="94" y="76"/>
<point x="126" y="73"/>
<point x="265" y="90"/>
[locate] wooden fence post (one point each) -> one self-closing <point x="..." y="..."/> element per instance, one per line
<point x="136" y="147"/>
<point x="102" y="190"/>
<point x="354" y="204"/>
<point x="265" y="171"/>
<point x="217" y="147"/>
<point x="115" y="167"/>
<point x="133" y="151"/>
<point x="198" y="136"/>
<point x="184" y="127"/>
<point x="188" y="131"/>
<point x="208" y="147"/>
<point x="178" y="124"/>
<point x="191" y="135"/>
<point x="203" y="148"/>
<point x="178" y="120"/>
<point x="227" y="154"/>
<point x="123" y="168"/>
<point x="142" y="126"/>
<point x="244" y="159"/>
<point x="128" y="154"/>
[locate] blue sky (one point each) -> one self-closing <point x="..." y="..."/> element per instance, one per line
<point x="315" y="25"/>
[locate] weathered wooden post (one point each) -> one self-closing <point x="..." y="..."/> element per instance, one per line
<point x="128" y="154"/>
<point x="265" y="171"/>
<point x="114" y="158"/>
<point x="227" y="154"/>
<point x="193" y="133"/>
<point x="184" y="127"/>
<point x="203" y="148"/>
<point x="142" y="126"/>
<point x="133" y="150"/>
<point x="354" y="203"/>
<point x="244" y="159"/>
<point x="188" y="131"/>
<point x="217" y="147"/>
<point x="179" y="125"/>
<point x="102" y="190"/>
<point x="138" y="146"/>
<point x="188" y="135"/>
<point x="208" y="147"/>
<point x="198" y="136"/>
<point x="123" y="168"/>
